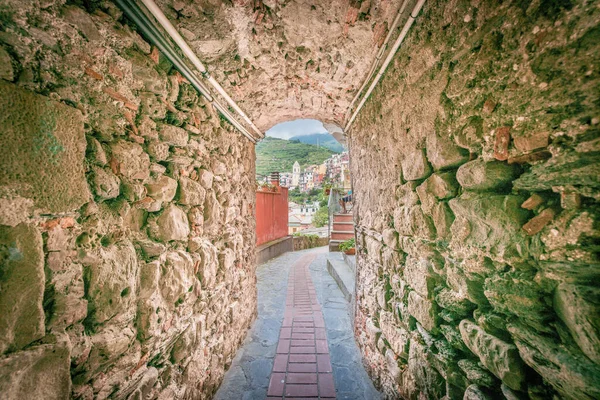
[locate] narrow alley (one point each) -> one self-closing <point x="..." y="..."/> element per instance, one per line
<point x="263" y="367"/>
<point x="162" y="228"/>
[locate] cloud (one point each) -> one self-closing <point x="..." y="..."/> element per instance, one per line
<point x="299" y="127"/>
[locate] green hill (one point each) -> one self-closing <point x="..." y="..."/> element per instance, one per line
<point x="274" y="154"/>
<point x="322" y="139"/>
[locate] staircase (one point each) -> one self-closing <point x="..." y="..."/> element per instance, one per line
<point x="342" y="229"/>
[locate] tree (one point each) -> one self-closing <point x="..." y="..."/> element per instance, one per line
<point x="321" y="217"/>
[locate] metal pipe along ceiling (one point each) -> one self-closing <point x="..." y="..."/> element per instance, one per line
<point x="387" y="61"/>
<point x="189" y="53"/>
<point x="152" y="33"/>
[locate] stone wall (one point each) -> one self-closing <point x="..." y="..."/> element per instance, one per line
<point x="476" y="168"/>
<point x="310" y="241"/>
<point x="127" y="245"/>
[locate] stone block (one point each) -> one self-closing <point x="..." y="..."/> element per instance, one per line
<point x="499" y="357"/>
<point x="411" y="221"/>
<point x="454" y="304"/>
<point x="177" y="278"/>
<point x="206" y="178"/>
<point x="573" y="375"/>
<point x="41" y="372"/>
<point x="418" y="273"/>
<point x="537" y="223"/>
<point x="501" y="143"/>
<point x="474" y="392"/>
<point x="397" y="337"/>
<point x="22" y="281"/>
<point x="518" y="294"/>
<point x="423" y="380"/>
<point x="530" y="142"/>
<point x="568" y="168"/>
<point x="570" y="200"/>
<point x="109" y="344"/>
<point x="467" y="285"/>
<point x="152" y="105"/>
<point x="67" y="298"/>
<point x="442" y="218"/>
<point x="171" y="224"/>
<point x="533" y="202"/>
<point x="77" y="17"/>
<point x="43" y="147"/>
<point x="423" y="310"/>
<point x="6" y="68"/>
<point x="438" y="186"/>
<point x="174" y="135"/>
<point x="159" y="151"/>
<point x="443" y="153"/>
<point x="476" y="374"/>
<point x="106" y="185"/>
<point x="415" y="166"/>
<point x="162" y="189"/>
<point x="392" y="365"/>
<point x="112" y="282"/>
<point x="390" y="238"/>
<point x="489" y="222"/>
<point x="426" y="198"/>
<point x="374" y="248"/>
<point x="406" y="194"/>
<point x="144" y="72"/>
<point x="207" y="270"/>
<point x="219" y="167"/>
<point x="579" y="308"/>
<point x="191" y="193"/>
<point x="131" y="160"/>
<point x="479" y="175"/>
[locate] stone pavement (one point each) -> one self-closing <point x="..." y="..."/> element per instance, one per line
<point x="303" y="329"/>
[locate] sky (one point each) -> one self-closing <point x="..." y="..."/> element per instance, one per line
<point x="299" y="127"/>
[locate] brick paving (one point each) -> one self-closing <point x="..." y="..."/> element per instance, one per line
<point x="302" y="366"/>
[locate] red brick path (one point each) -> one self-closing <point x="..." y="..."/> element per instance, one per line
<point x="302" y="368"/>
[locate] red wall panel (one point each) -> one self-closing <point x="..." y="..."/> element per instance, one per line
<point x="271" y="215"/>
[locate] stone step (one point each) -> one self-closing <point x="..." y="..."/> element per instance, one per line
<point x="342" y="218"/>
<point x="341" y="235"/>
<point x="343" y="226"/>
<point x="334" y="245"/>
<point x="342" y="274"/>
<point x="350" y="261"/>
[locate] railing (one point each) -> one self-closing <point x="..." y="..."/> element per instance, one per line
<point x="333" y="205"/>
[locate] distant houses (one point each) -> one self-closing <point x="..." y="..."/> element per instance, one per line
<point x="335" y="169"/>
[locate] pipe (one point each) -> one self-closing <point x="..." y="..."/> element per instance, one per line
<point x="148" y="28"/>
<point x="392" y="53"/>
<point x="189" y="53"/>
<point x="379" y="55"/>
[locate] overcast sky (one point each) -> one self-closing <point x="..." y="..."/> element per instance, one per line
<point x="298" y="127"/>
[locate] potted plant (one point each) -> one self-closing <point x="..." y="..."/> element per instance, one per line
<point x="327" y="188"/>
<point x="348" y="247"/>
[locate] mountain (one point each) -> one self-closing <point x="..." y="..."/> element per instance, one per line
<point x="274" y="154"/>
<point x="322" y="139"/>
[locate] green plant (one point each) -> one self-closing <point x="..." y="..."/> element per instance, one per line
<point x="321" y="217"/>
<point x="347" y="245"/>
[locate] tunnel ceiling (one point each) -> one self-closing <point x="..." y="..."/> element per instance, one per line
<point x="283" y="60"/>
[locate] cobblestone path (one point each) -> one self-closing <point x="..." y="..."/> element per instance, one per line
<point x="302" y="344"/>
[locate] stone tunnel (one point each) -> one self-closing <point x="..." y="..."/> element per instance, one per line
<point x="127" y="228"/>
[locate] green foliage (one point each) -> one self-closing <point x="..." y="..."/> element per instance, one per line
<point x="321" y="217"/>
<point x="305" y="197"/>
<point x="347" y="245"/>
<point x="274" y="154"/>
